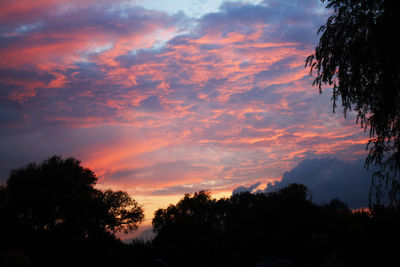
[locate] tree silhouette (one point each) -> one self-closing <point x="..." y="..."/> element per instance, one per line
<point x="280" y="228"/>
<point x="196" y="208"/>
<point x="123" y="212"/>
<point x="358" y="55"/>
<point x="190" y="230"/>
<point x="57" y="197"/>
<point x="233" y="231"/>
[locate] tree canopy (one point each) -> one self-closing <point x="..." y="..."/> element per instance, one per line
<point x="359" y="57"/>
<point x="279" y="228"/>
<point x="58" y="197"/>
<point x="248" y="228"/>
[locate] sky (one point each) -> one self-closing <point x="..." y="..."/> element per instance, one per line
<point x="160" y="98"/>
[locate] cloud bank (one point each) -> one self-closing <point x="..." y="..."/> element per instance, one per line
<point x="327" y="178"/>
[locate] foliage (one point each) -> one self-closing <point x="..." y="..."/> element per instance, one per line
<point x="124" y="213"/>
<point x="283" y="225"/>
<point x="358" y="55"/>
<point x="189" y="228"/>
<point x="58" y="197"/>
<point x="198" y="209"/>
<point x="236" y="230"/>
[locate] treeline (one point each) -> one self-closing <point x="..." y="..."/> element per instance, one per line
<point x="51" y="214"/>
<point x="283" y="228"/>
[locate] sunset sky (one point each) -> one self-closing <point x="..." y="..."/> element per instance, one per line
<point x="160" y="98"/>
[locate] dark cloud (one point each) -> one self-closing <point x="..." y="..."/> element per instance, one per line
<point x="266" y="95"/>
<point x="329" y="178"/>
<point x="247" y="132"/>
<point x="25" y="75"/>
<point x="179" y="189"/>
<point x="11" y="115"/>
<point x="234" y="17"/>
<point x="326" y="178"/>
<point x="151" y="104"/>
<point x="295" y="21"/>
<point x="19" y="147"/>
<point x="111" y="17"/>
<point x="210" y="47"/>
<point x="142" y="56"/>
<point x="212" y="84"/>
<point x="242" y="189"/>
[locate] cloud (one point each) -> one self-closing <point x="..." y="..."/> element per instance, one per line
<point x="157" y="173"/>
<point x="285" y="20"/>
<point x="242" y="189"/>
<point x="66" y="32"/>
<point x="158" y="102"/>
<point x="151" y="104"/>
<point x="180" y="189"/>
<point x="329" y="178"/>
